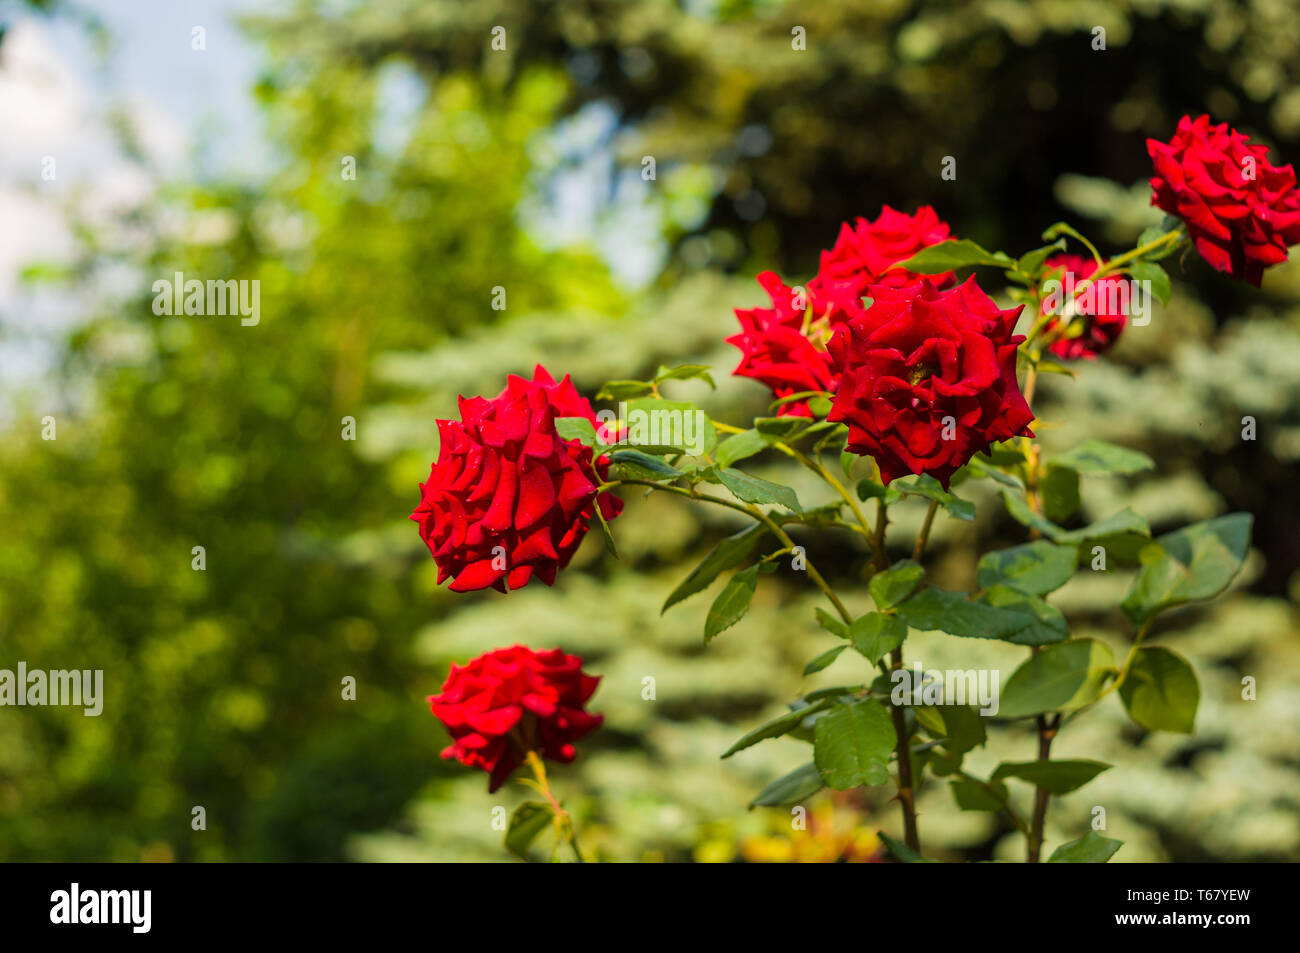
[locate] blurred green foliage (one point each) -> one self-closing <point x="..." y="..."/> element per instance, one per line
<point x="224" y="686"/>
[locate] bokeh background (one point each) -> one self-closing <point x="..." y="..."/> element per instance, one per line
<point x="523" y="169"/>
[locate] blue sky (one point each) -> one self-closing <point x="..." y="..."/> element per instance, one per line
<point x="151" y="57"/>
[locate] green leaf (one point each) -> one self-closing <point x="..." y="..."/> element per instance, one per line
<point x="1019" y="510"/>
<point x="928" y="717"/>
<point x="1054" y="777"/>
<point x="902" y="852"/>
<point x="869" y="488"/>
<point x="732" y="603"/>
<point x="1059" y="491"/>
<point x="606" y="533"/>
<point x="1046" y="366"/>
<point x="835" y="692"/>
<point x="831" y="624"/>
<point x="1091" y="848"/>
<point x="1161" y="287"/>
<point x="576" y="428"/>
<point x="740" y="446"/>
<point x="730" y="552"/>
<point x="1155" y="231"/>
<point x="950" y="255"/>
<point x="1059" y="678"/>
<point x="1030" y="264"/>
<point x="642" y="466"/>
<point x="1065" y="228"/>
<point x="896" y="583"/>
<point x="938" y="610"/>
<point x="753" y="489"/>
<point x="1034" y="568"/>
<point x="1122" y="523"/>
<point x="853" y="743"/>
<point x="800" y="783"/>
<point x="928" y="487"/>
<point x="832" y="435"/>
<point x="1192" y="564"/>
<point x="982" y="469"/>
<point x="686" y="372"/>
<point x="793" y="399"/>
<point x="1160" y="691"/>
<point x="823" y="660"/>
<point x="623" y="390"/>
<point x="958" y="728"/>
<point x="971" y="795"/>
<point x="820" y="406"/>
<point x="777" y="726"/>
<point x="781" y="428"/>
<point x="1049" y="625"/>
<point x="1097" y="456"/>
<point x="875" y="635"/>
<point x="528" y="820"/>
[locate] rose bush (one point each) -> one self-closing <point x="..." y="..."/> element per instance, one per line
<point x="893" y="384"/>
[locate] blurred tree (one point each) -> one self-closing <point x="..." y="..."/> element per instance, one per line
<point x="224" y="685"/>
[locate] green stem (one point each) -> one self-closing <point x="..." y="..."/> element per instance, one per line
<point x="1046" y="733"/>
<point x="563" y="822"/>
<point x="925" y="531"/>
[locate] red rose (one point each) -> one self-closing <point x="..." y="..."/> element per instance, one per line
<point x="929" y="379"/>
<point x="511" y="701"/>
<point x="864" y="253"/>
<point x="507" y="498"/>
<point x="1100" y="306"/>
<point x="784" y="346"/>
<point x="1241" y="211"/>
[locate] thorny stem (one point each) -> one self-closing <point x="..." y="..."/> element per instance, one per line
<point x="1047" y="729"/>
<point x="903" y="751"/>
<point x="898" y="714"/>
